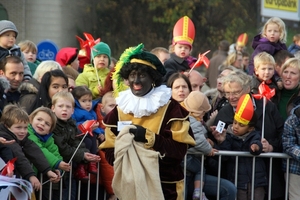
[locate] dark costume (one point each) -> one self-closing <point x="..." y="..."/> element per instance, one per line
<point x="164" y="121"/>
<point x="175" y="64"/>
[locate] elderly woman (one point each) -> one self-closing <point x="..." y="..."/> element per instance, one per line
<point x="235" y="85"/>
<point x="290" y="94"/>
<point x="30" y="88"/>
<point x="180" y="85"/>
<point x="146" y="161"/>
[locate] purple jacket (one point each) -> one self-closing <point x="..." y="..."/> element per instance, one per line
<point x="262" y="44"/>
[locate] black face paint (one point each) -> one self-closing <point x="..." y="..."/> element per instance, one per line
<point x="140" y="83"/>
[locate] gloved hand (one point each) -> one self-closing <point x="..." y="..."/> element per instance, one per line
<point x="139" y="133"/>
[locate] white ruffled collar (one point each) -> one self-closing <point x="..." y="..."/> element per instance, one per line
<point x="145" y="105"/>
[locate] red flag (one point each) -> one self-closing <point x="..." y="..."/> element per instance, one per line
<point x="264" y="91"/>
<point x="202" y="59"/>
<point x="9" y="167"/>
<point x="87" y="127"/>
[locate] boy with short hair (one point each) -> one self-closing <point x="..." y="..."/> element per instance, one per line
<point x="64" y="135"/>
<point x="8" y="47"/>
<point x="264" y="69"/>
<point x="13" y="126"/>
<point x="29" y="50"/>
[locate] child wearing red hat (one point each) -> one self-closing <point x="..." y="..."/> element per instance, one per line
<point x="183" y="36"/>
<point x="242" y="136"/>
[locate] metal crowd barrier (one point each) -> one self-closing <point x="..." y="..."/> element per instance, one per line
<point x="238" y="154"/>
<point x="79" y="188"/>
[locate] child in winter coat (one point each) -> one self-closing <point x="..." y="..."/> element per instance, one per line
<point x="94" y="74"/>
<point x="84" y="111"/>
<point x="264" y="69"/>
<point x="64" y="135"/>
<point x="14" y="122"/>
<point x="180" y="59"/>
<point x="108" y="103"/>
<point x="42" y="123"/>
<point x="295" y="46"/>
<point x="29" y="49"/>
<point x="8" y="47"/>
<point x="271" y="40"/>
<point x="241" y="136"/>
<point x="197" y="104"/>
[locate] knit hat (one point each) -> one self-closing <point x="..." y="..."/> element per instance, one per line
<point x="65" y="56"/>
<point x="197" y="103"/>
<point x="184" y="31"/>
<point x="100" y="48"/>
<point x="242" y="40"/>
<point x="136" y="55"/>
<point x="6" y="25"/>
<point x="244" y="113"/>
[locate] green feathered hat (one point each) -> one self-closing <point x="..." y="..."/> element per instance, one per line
<point x="136" y="55"/>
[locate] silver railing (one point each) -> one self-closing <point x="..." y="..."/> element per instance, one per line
<point x="238" y="154"/>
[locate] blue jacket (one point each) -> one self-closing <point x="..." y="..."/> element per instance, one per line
<point x="293" y="48"/>
<point x="80" y="115"/>
<point x="235" y="143"/>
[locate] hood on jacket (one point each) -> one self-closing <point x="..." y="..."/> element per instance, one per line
<point x="94" y="104"/>
<point x="4" y="84"/>
<point x="27" y="87"/>
<point x="211" y="92"/>
<point x="257" y="40"/>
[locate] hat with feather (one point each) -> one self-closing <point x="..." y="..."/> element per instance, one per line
<point x="136" y="54"/>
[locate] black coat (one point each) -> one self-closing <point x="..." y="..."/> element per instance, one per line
<point x="273" y="131"/>
<point x="255" y="83"/>
<point x="175" y="64"/>
<point x="65" y="137"/>
<point x="234" y="143"/>
<point x="27" y="152"/>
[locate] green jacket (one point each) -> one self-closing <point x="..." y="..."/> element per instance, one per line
<point x="89" y="78"/>
<point x="48" y="147"/>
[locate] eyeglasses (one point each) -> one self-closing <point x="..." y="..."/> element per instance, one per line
<point x="233" y="94"/>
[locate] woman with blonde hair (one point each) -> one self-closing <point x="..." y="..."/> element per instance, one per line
<point x="234" y="59"/>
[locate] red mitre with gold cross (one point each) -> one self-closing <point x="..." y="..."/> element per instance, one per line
<point x="242" y="40"/>
<point x="184" y="31"/>
<point x="244" y="110"/>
